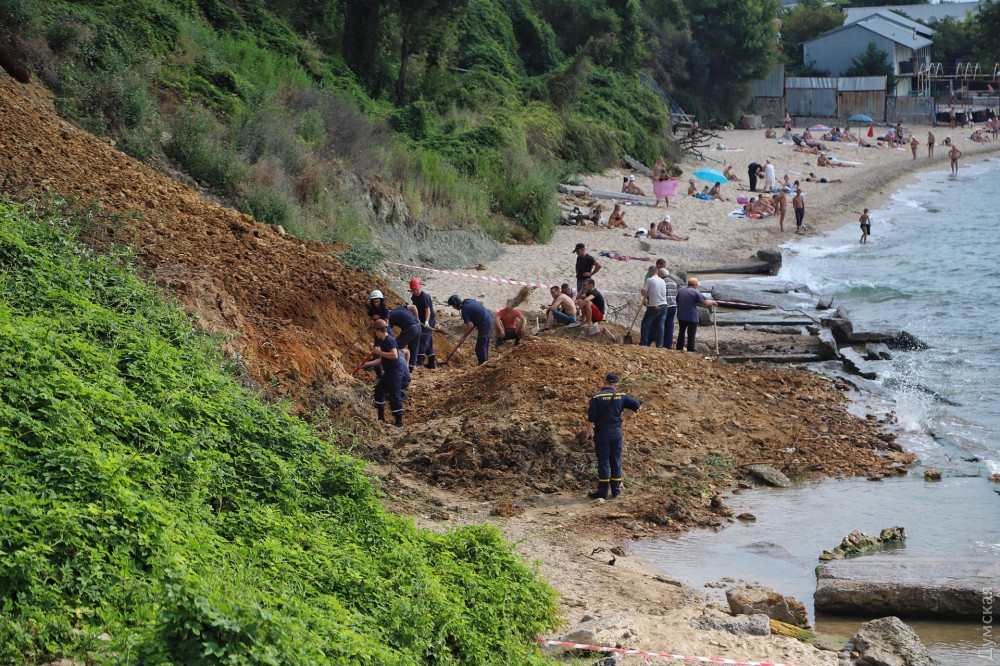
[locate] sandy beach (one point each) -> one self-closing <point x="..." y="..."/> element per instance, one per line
<point x="714" y="239"/>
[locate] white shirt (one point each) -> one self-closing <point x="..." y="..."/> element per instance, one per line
<point x="655" y="290"/>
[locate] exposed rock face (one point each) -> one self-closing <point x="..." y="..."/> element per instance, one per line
<point x="888" y="641"/>
<point x="859" y="543"/>
<point x="769" y="475"/>
<point x="600" y="631"/>
<point x="754" y="600"/>
<point x="885" y="585"/>
<point x="757" y="624"/>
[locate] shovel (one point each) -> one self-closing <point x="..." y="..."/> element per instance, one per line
<point x="350" y="346"/>
<point x="445" y="362"/>
<point x="370" y="357"/>
<point x="628" y="336"/>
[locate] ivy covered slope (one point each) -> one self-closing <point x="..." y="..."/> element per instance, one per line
<point x="151" y="511"/>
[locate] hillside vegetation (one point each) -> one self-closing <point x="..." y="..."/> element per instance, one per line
<point x="155" y="512"/>
<point x="470" y="109"/>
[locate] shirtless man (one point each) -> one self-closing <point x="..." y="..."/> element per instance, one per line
<point x="913" y="146"/>
<point x="930" y="144"/>
<point x="617" y="218"/>
<point x="769" y="134"/>
<point x="823" y="160"/>
<point x="799" y="206"/>
<point x="561" y="310"/>
<point x="866" y="227"/>
<point x="665" y="230"/>
<point x="728" y="173"/>
<point x="813" y="179"/>
<point x="954" y="154"/>
<point x="781" y="205"/>
<point x="633" y="188"/>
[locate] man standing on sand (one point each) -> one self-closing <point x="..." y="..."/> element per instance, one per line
<point x="799" y="206"/>
<point x="654" y="294"/>
<point x="780" y="206"/>
<point x="671" y="291"/>
<point x="425" y="313"/>
<point x="753" y="170"/>
<point x="586" y="265"/>
<point x="688" y="300"/>
<point x="930" y="144"/>
<point x="954" y="154"/>
<point x="913" y="145"/>
<point x="510" y="324"/>
<point x="604" y="428"/>
<point x="475" y="315"/>
<point x="866" y="227"/>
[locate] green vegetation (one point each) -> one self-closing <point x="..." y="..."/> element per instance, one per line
<point x="151" y="511"/>
<point x="873" y="62"/>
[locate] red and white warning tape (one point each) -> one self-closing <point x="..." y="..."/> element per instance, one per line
<point x="495" y="279"/>
<point x="647" y="655"/>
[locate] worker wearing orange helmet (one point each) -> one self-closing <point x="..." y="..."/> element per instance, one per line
<point x="425" y="313"/>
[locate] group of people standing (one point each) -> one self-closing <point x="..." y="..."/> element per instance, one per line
<point x="663" y="302"/>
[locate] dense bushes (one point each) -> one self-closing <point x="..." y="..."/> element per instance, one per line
<point x="153" y="512"/>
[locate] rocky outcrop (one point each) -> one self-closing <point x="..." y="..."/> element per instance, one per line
<point x="772" y="257"/>
<point x="854" y="364"/>
<point x="885" y="585"/>
<point x="843" y="331"/>
<point x="593" y="630"/>
<point x="762" y="600"/>
<point x="888" y="641"/>
<point x="757" y="624"/>
<point x="858" y="543"/>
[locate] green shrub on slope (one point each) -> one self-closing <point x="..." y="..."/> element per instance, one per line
<point x="146" y="496"/>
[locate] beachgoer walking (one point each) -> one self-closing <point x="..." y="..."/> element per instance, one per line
<point x="799" y="206"/>
<point x="866" y="227"/>
<point x="605" y="412"/>
<point x="688" y="300"/>
<point x="954" y="154"/>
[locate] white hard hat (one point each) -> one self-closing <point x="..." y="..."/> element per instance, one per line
<point x="376" y="294"/>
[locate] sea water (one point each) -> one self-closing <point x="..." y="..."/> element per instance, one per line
<point x="930" y="268"/>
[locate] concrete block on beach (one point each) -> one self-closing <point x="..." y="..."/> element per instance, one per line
<point x="854" y="364"/>
<point x="887" y="585"/>
<point x="728" y="292"/>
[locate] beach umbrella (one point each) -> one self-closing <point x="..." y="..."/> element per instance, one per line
<point x="860" y="118"/>
<point x="819" y="128"/>
<point x="711" y="175"/>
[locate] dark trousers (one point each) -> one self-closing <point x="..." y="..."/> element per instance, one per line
<point x="410" y="337"/>
<point x="608" y="449"/>
<point x="668" y="327"/>
<point x="426" y="341"/>
<point x="799" y="214"/>
<point x="651" y="329"/>
<point x="752" y="175"/>
<point x="691" y="327"/>
<point x="389" y="385"/>
<point x="483" y="336"/>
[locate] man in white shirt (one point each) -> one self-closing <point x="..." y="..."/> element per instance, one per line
<point x="654" y="296"/>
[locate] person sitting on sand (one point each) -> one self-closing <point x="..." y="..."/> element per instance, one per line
<point x="769" y="134"/>
<point x="665" y="230"/>
<point x="633" y="188"/>
<point x="561" y="310"/>
<point x="716" y="192"/>
<point x="813" y="179"/>
<point x="692" y="190"/>
<point x="617" y="218"/>
<point x="979" y="137"/>
<point x="823" y="160"/>
<point x="806" y="135"/>
<point x="748" y="207"/>
<point x="947" y="140"/>
<point x="730" y="176"/>
<point x="624" y="184"/>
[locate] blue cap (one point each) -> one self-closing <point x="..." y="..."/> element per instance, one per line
<point x="612" y="378"/>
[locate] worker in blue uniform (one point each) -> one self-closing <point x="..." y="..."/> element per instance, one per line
<point x="475" y="315"/>
<point x="425" y="313"/>
<point x="387" y="355"/>
<point x="604" y="427"/>
<point x="409" y="331"/>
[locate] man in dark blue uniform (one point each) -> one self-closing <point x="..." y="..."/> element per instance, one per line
<point x="425" y="313"/>
<point x="386" y="354"/>
<point x="475" y="314"/>
<point x="409" y="331"/>
<point x="604" y="428"/>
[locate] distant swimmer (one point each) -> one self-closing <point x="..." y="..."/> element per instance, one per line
<point x="866" y="227"/>
<point x="954" y="154"/>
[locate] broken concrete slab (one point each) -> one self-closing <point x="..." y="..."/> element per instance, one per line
<point x="853" y="363"/>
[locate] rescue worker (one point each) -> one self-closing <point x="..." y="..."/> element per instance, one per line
<point x="604" y="427"/>
<point x="475" y="314"/>
<point x="386" y="354"/>
<point x="425" y="314"/>
<point x="409" y="331"/>
<point x="376" y="306"/>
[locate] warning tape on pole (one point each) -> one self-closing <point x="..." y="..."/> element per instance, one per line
<point x="647" y="655"/>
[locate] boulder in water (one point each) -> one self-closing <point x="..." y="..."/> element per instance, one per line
<point x="888" y="641"/>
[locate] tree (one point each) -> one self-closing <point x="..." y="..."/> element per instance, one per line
<point x="736" y="43"/>
<point x="804" y="22"/>
<point x="873" y="62"/>
<point x="422" y="23"/>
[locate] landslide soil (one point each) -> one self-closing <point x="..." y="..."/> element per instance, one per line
<point x="502" y="432"/>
